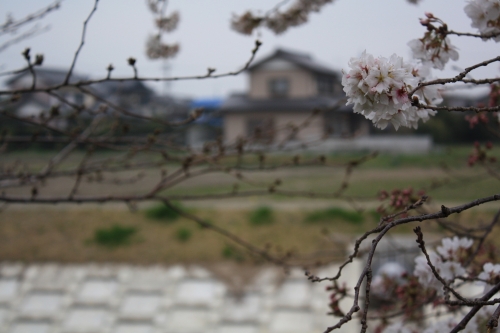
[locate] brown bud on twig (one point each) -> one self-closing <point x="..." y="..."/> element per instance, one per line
<point x="415" y="101"/>
<point x="131" y="62"/>
<point x="26" y="54"/>
<point x="196" y="113"/>
<point x="38" y="59"/>
<point x="54" y="111"/>
<point x="445" y="210"/>
<point x="110" y="69"/>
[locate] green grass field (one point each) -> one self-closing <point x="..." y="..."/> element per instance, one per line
<point x="444" y="175"/>
<point x="301" y="226"/>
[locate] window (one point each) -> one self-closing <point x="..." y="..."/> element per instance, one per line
<point x="279" y="87"/>
<point x="325" y="85"/>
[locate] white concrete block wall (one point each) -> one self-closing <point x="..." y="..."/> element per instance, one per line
<point x="88" y="298"/>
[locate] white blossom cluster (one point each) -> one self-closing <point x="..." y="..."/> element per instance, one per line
<point x="156" y="49"/>
<point x="485" y="16"/>
<point x="378" y="88"/>
<point x="475" y="325"/>
<point x="489" y="276"/>
<point x="433" y="50"/>
<point x="445" y="325"/>
<point x="446" y="262"/>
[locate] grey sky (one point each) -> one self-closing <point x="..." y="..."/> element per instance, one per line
<point x="340" y="31"/>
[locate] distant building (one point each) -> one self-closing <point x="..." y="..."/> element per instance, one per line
<point x="132" y="95"/>
<point x="40" y="103"/>
<point x="285" y="88"/>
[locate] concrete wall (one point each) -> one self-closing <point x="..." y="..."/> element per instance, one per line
<point x="410" y="144"/>
<point x="52" y="298"/>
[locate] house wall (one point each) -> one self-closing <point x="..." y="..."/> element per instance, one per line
<point x="236" y="125"/>
<point x="302" y="83"/>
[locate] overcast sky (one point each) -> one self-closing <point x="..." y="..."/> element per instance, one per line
<point x="340" y="31"/>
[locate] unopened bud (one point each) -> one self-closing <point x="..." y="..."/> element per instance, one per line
<point x="38" y="59"/>
<point x="26" y="53"/>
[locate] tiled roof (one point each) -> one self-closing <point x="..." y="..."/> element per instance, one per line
<point x="300" y="59"/>
<point x="50" y="76"/>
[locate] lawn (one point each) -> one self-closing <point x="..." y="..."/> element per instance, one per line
<point x="109" y="234"/>
<point x="443" y="174"/>
<point x="281" y="224"/>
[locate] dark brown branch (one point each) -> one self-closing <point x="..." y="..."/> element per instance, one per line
<point x="248" y="246"/>
<point x="142" y="79"/>
<point x="382" y="230"/>
<point x="493" y="322"/>
<point x="446" y="285"/>
<point x="9" y="27"/>
<point x="468" y="34"/>
<point x="459" y="78"/>
<point x="463" y="323"/>
<point x="27" y="34"/>
<point x="82" y="42"/>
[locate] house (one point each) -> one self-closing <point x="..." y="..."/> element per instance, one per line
<point x="285" y="89"/>
<point x="131" y="95"/>
<point x="34" y="104"/>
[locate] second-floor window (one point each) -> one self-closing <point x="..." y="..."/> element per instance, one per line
<point x="279" y="87"/>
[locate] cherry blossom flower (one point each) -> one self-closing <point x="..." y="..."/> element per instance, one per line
<point x="169" y="23"/>
<point x="451" y="248"/>
<point x="424" y="273"/>
<point x="156" y="49"/>
<point x="388" y="277"/>
<point x="485" y="16"/>
<point x="490" y="273"/>
<point x="245" y="23"/>
<point x="450" y="270"/>
<point x="378" y="88"/>
<point x="433" y="49"/>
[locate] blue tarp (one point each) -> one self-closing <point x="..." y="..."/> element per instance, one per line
<point x="210" y="106"/>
